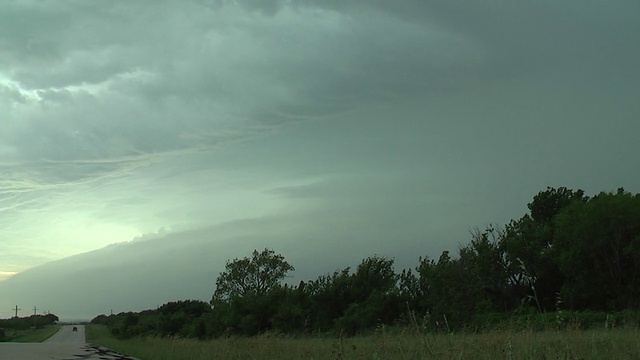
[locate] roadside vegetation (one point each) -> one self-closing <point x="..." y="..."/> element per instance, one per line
<point x="549" y="284"/>
<point x="386" y="344"/>
<point x="35" y="328"/>
<point x="33" y="335"/>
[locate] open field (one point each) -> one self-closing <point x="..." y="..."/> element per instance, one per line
<point x="32" y="335"/>
<point x="568" y="344"/>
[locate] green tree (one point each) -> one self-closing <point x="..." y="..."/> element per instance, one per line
<point x="448" y="290"/>
<point x="486" y="264"/>
<point x="374" y="274"/>
<point x="597" y="247"/>
<point x="255" y="276"/>
<point x="373" y="296"/>
<point x="248" y="293"/>
<point x="329" y="296"/>
<point x="547" y="204"/>
<point x="528" y="243"/>
<point x="292" y="310"/>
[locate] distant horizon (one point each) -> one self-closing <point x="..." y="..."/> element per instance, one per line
<point x="71" y="286"/>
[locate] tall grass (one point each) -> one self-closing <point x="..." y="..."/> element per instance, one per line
<point x="32" y="335"/>
<point x="566" y="344"/>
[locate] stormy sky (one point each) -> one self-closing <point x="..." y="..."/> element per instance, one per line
<point x="326" y="130"/>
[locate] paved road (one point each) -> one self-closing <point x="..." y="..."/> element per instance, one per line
<point x="64" y="345"/>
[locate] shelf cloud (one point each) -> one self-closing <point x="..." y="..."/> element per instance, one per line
<point x="329" y="130"/>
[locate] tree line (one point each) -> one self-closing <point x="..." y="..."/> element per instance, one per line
<point x="15" y="324"/>
<point x="570" y="254"/>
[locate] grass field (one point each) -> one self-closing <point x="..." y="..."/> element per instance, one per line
<point x="32" y="335"/>
<point x="568" y="344"/>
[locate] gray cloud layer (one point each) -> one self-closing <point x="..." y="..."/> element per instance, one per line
<point x="367" y="126"/>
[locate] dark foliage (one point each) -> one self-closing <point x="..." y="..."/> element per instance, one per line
<point x="24" y="323"/>
<point x="570" y="255"/>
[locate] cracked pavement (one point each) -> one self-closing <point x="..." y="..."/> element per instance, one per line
<point x="66" y="344"/>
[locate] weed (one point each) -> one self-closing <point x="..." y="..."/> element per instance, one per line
<point x="390" y="343"/>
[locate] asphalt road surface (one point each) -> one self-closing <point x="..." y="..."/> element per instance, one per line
<point x="66" y="344"/>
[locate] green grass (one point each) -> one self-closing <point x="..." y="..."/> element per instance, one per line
<point x="567" y="344"/>
<point x="31" y="335"/>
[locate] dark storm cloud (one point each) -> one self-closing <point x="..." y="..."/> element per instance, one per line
<point x="217" y="71"/>
<point x="325" y="129"/>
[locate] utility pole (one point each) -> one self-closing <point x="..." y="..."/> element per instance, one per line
<point x="15" y="330"/>
<point x="35" y="318"/>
